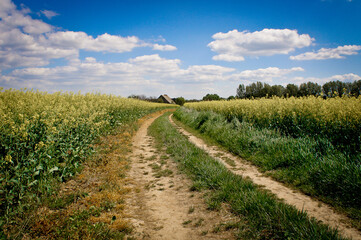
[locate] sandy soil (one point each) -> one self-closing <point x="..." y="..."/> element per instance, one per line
<point x="161" y="205"/>
<point x="314" y="208"/>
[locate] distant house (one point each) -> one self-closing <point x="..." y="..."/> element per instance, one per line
<point x="165" y="99"/>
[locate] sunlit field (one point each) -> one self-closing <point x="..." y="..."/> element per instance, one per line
<point x="44" y="138"/>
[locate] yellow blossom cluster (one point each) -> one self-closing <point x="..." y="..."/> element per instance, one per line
<point x="345" y="109"/>
<point x="338" y="118"/>
<point x="46" y="136"/>
<point x="23" y="110"/>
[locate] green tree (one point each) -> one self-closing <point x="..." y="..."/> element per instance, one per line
<point x="231" y="98"/>
<point x="266" y="90"/>
<point x="310" y="88"/>
<point x="211" y="97"/>
<point x="277" y="90"/>
<point x="356" y="88"/>
<point x="179" y="100"/>
<point x="336" y="88"/>
<point x="241" y="91"/>
<point x="291" y="90"/>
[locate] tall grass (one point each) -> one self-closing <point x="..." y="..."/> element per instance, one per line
<point x="315" y="166"/>
<point x="266" y="217"/>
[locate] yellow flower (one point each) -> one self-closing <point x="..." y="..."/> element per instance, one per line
<point x="8" y="159"/>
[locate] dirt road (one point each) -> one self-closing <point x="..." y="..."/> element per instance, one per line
<point x="161" y="205"/>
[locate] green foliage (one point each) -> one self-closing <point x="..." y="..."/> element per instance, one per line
<point x="211" y="97"/>
<point x="315" y="166"/>
<point x="180" y="101"/>
<point x="266" y="217"/>
<point x="44" y="138"/>
<point x="329" y="89"/>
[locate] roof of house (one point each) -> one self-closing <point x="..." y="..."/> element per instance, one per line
<point x="167" y="98"/>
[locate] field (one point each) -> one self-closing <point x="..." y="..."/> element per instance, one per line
<point x="65" y="160"/>
<point x="44" y="138"/>
<point x="336" y="119"/>
<point x="311" y="143"/>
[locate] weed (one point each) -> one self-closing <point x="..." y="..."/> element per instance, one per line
<point x="191" y="209"/>
<point x="163" y="173"/>
<point x="199" y="222"/>
<point x="229" y="161"/>
<point x="187" y="222"/>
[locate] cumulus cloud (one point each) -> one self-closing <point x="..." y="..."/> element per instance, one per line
<point x="349" y="77"/>
<point x="235" y="46"/>
<point x="28" y="42"/>
<point x="264" y="74"/>
<point x="81" y="40"/>
<point x="151" y="74"/>
<point x="49" y="14"/>
<point x="329" y="53"/>
<point x="164" y="47"/>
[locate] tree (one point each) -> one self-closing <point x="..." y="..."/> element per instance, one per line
<point x="254" y="90"/>
<point x="141" y="97"/>
<point x="179" y="100"/>
<point x="277" y="90"/>
<point x="266" y="90"/>
<point x="291" y="90"/>
<point x="241" y="91"/>
<point x="336" y="88"/>
<point x="211" y="97"/>
<point x="356" y="88"/>
<point x="313" y="89"/>
<point x="231" y="98"/>
<point x="310" y="88"/>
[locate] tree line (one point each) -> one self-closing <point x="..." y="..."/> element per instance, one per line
<point x="329" y="89"/>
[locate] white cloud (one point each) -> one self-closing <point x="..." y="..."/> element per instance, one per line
<point x="149" y="74"/>
<point x="234" y="45"/>
<point x="329" y="53"/>
<point x="28" y="42"/>
<point x="81" y="40"/>
<point x="210" y="69"/>
<point x="349" y="77"/>
<point x="6" y="6"/>
<point x="264" y="74"/>
<point x="164" y="47"/>
<point x="49" y="14"/>
<point x="13" y="18"/>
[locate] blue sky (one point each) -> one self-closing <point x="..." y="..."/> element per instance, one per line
<point x="182" y="48"/>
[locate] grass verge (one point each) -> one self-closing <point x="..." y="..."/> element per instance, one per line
<point x="267" y="217"/>
<point x="315" y="167"/>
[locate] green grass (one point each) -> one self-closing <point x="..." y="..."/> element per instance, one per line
<point x="313" y="166"/>
<point x="266" y="217"/>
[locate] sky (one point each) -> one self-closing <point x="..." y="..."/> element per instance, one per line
<point x="180" y="48"/>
